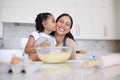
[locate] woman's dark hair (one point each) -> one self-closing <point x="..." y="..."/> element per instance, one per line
<point x="65" y="14"/>
<point x="68" y="34"/>
<point x="39" y="19"/>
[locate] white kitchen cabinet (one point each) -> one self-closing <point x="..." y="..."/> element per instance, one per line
<point x="118" y="16"/>
<point x="87" y="23"/>
<point x="0" y="10"/>
<point x="1" y="25"/>
<point x="90" y="25"/>
<point x="1" y="30"/>
<point x="93" y="19"/>
<point x="110" y="20"/>
<point x="25" y="11"/>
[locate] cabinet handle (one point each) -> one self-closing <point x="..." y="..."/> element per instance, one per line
<point x="77" y="29"/>
<point x="105" y="31"/>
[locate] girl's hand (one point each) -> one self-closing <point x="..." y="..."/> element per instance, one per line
<point x="34" y="57"/>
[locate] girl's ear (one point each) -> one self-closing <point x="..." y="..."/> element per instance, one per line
<point x="44" y="23"/>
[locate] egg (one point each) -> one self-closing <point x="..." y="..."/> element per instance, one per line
<point x="15" y="60"/>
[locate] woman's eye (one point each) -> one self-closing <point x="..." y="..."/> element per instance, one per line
<point x="61" y="21"/>
<point x="67" y="24"/>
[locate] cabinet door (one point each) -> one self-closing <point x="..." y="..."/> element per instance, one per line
<point x="87" y="23"/>
<point x="1" y="26"/>
<point x="25" y="11"/>
<point x="110" y="20"/>
<point x="90" y="23"/>
<point x="117" y="3"/>
<point x="95" y="19"/>
<point x="1" y="30"/>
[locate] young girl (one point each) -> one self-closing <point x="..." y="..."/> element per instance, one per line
<point x="45" y="23"/>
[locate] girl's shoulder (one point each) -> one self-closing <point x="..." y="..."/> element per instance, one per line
<point x="35" y="34"/>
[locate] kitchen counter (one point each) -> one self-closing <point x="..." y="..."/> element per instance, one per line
<point x="70" y="70"/>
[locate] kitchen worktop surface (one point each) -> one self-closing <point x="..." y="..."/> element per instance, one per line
<point x="70" y="70"/>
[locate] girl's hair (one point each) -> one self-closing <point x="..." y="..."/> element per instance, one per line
<point x="68" y="34"/>
<point x="39" y="19"/>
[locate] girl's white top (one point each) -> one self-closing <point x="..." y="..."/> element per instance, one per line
<point x="40" y="37"/>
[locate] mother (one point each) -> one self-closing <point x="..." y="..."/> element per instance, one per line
<point x="62" y="34"/>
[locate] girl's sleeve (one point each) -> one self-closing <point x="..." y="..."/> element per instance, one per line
<point x="35" y="35"/>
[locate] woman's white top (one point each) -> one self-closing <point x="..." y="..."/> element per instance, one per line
<point x="40" y="37"/>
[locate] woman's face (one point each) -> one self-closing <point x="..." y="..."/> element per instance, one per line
<point x="63" y="25"/>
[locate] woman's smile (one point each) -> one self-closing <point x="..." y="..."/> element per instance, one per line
<point x="61" y="29"/>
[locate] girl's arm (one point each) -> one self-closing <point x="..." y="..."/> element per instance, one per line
<point x="31" y="49"/>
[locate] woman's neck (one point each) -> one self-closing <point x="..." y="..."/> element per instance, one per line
<point x="59" y="39"/>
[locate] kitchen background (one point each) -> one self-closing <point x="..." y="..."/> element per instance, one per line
<point x="13" y="32"/>
<point x="96" y="22"/>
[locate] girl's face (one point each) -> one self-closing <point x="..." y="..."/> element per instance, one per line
<point x="63" y="25"/>
<point x="50" y="24"/>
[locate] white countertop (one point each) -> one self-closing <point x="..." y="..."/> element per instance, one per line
<point x="71" y="70"/>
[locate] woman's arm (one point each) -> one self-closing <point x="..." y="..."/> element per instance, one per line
<point x="71" y="43"/>
<point x="73" y="55"/>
